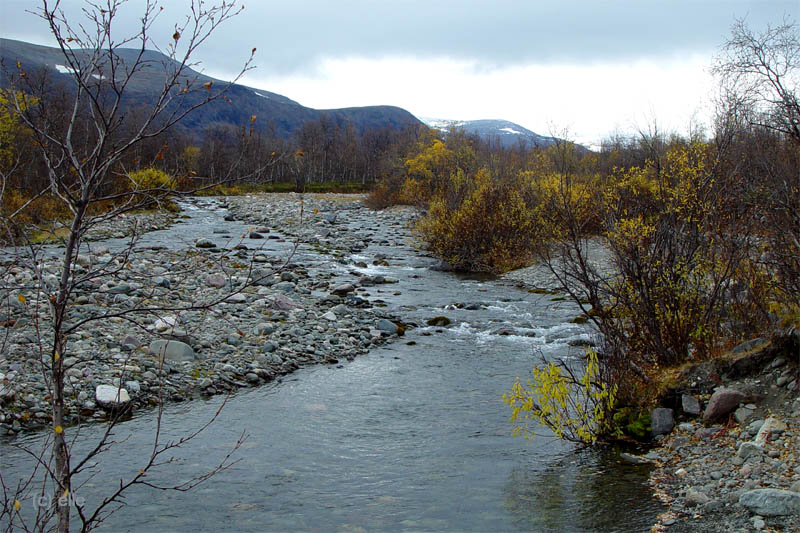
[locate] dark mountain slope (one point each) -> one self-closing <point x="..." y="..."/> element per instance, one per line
<point x="273" y="112"/>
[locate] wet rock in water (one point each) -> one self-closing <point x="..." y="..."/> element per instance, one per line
<point x="723" y="401"/>
<point x="661" y="421"/>
<point x="634" y="459"/>
<point x="690" y="405"/>
<point x="111" y="397"/>
<point x="330" y="218"/>
<point x="172" y="350"/>
<point x="204" y="243"/>
<point x="387" y="326"/>
<point x="329" y="316"/>
<point x="771" y="502"/>
<point x="438" y="321"/>
<point x="256" y="235"/>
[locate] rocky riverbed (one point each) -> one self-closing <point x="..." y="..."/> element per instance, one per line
<point x="225" y="312"/>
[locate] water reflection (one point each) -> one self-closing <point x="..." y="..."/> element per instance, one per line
<point x="598" y="493"/>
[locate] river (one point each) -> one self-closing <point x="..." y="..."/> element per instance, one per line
<point x="413" y="436"/>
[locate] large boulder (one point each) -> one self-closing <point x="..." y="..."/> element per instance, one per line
<point x="771" y="502"/>
<point x="172" y="350"/>
<point x="723" y="401"/>
<point x="661" y="421"/>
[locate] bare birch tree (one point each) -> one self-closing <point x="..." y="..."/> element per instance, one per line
<point x="83" y="156"/>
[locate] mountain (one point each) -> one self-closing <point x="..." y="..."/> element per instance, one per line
<point x="274" y="112"/>
<point x="508" y="134"/>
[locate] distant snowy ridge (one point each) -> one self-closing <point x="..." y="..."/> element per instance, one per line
<point x="506" y="134"/>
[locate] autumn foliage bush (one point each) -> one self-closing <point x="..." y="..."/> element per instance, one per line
<point x="481" y="223"/>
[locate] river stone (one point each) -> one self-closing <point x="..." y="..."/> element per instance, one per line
<point x="743" y="414"/>
<point x="121" y="288"/>
<point x="285" y="286"/>
<point x="160" y="281"/>
<point x="634" y="459"/>
<point x="237" y="298"/>
<point x="330" y="218"/>
<point x="690" y="405"/>
<point x="261" y="277"/>
<point x="133" y="386"/>
<point x="387" y="326"/>
<point x="754" y="427"/>
<point x="661" y="421"/>
<point x="217" y="281"/>
<point x="204" y="243"/>
<point x="723" y="401"/>
<point x="269" y="347"/>
<point x="770" y="427"/>
<point x="111" y="397"/>
<point x="695" y="497"/>
<point x="771" y="502"/>
<point x="750" y="449"/>
<point x="281" y="302"/>
<point x="172" y="350"/>
<point x="165" y="323"/>
<point x="329" y="316"/>
<point x="344" y="288"/>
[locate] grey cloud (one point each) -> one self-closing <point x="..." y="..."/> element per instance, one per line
<point x="292" y="36"/>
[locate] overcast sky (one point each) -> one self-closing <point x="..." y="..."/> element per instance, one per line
<point x="593" y="67"/>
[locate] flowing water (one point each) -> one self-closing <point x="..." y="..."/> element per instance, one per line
<point x="413" y="436"/>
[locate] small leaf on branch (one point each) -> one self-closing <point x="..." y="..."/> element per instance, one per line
<point x="59" y="430"/>
<point x="176" y="36"/>
<point x="207" y="85"/>
<point x="21" y="298"/>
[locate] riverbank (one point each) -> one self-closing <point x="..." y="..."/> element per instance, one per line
<point x="307" y="305"/>
<point x="739" y="470"/>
